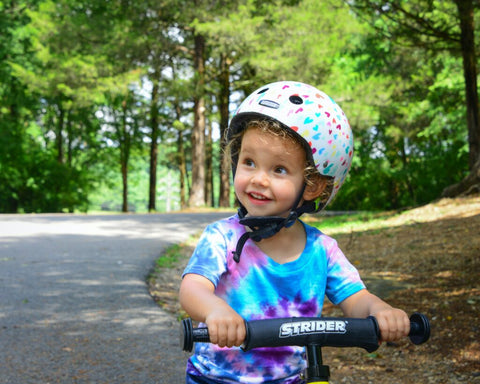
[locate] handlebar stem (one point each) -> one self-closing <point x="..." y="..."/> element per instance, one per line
<point x="316" y="371"/>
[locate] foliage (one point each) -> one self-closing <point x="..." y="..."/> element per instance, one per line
<point x="414" y="139"/>
<point x="88" y="87"/>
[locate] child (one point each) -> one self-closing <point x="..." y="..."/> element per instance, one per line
<point x="291" y="148"/>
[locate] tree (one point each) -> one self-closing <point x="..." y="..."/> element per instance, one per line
<point x="197" y="193"/>
<point x="121" y="124"/>
<point x="61" y="77"/>
<point x="467" y="40"/>
<point x="223" y="105"/>
<point x="178" y="89"/>
<point x="17" y="105"/>
<point x="150" y="43"/>
<point x="437" y="26"/>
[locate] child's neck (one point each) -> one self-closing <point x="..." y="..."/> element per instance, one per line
<point x="285" y="246"/>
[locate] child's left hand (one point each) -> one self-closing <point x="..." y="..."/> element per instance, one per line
<point x="393" y="323"/>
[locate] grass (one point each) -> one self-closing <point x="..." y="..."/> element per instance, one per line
<point x="174" y="253"/>
<point x="356" y="222"/>
<point x="171" y="256"/>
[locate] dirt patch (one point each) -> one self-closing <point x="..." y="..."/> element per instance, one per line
<point x="427" y="260"/>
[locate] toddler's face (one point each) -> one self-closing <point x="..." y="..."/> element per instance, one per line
<point x="269" y="174"/>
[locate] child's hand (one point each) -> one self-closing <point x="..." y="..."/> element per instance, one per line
<point x="226" y="327"/>
<point x="393" y="323"/>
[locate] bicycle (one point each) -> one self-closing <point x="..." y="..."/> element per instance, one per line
<point x="312" y="333"/>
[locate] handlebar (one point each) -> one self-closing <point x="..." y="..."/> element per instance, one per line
<point x="303" y="331"/>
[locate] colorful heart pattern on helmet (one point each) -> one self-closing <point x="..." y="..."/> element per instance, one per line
<point x="313" y="115"/>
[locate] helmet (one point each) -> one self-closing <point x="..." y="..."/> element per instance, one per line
<point x="314" y="116"/>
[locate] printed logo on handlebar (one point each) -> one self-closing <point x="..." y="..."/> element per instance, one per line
<point x="311" y="327"/>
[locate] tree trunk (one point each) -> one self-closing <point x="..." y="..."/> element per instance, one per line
<point x="125" y="187"/>
<point x="124" y="155"/>
<point x="69" y="140"/>
<point x="152" y="195"/>
<point x="180" y="158"/>
<point x="59" y="134"/>
<point x="469" y="185"/>
<point x="467" y="26"/>
<point x="209" y="196"/>
<point x="472" y="181"/>
<point x="197" y="193"/>
<point x="404" y="158"/>
<point x="182" y="165"/>
<point x="224" y="100"/>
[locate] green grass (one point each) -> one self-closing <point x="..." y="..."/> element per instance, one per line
<point x="175" y="253"/>
<point x="170" y="257"/>
<point x="357" y="222"/>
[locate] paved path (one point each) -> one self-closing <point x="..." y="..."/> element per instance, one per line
<point x="74" y="306"/>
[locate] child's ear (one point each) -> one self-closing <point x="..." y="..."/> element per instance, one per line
<point x="314" y="190"/>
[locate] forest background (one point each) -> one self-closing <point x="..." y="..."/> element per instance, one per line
<point x="121" y="105"/>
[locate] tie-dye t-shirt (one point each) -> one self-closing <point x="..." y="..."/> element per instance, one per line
<point x="259" y="288"/>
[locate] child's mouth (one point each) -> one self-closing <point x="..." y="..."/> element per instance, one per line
<point x="258" y="197"/>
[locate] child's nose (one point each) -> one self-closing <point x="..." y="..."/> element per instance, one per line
<point x="260" y="178"/>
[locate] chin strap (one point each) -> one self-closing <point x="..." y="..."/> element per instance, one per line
<point x="263" y="227"/>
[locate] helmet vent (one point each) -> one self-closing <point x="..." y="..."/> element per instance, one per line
<point x="269" y="104"/>
<point x="295" y="99"/>
<point x="262" y="91"/>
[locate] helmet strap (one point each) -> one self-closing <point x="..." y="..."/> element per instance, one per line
<point x="263" y="227"/>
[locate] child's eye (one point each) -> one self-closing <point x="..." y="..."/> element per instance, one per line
<point x="281" y="170"/>
<point x="249" y="162"/>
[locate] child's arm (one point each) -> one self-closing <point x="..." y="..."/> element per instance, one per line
<point x="225" y="326"/>
<point x="393" y="322"/>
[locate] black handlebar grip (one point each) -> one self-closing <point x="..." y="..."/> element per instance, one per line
<point x="419" y="328"/>
<point x="189" y="335"/>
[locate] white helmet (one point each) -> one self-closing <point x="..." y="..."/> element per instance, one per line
<point x="314" y="116"/>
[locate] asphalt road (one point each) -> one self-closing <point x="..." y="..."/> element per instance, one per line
<point x="74" y="305"/>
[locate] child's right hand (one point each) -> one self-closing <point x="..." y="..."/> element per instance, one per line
<point x="226" y="327"/>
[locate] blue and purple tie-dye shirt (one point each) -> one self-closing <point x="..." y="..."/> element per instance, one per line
<point x="259" y="288"/>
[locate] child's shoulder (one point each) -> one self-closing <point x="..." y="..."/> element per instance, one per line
<point x="227" y="222"/>
<point x="311" y="230"/>
<point x="315" y="234"/>
<point x="225" y="226"/>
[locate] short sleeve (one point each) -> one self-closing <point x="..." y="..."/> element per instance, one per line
<point x="209" y="257"/>
<point x="343" y="279"/>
